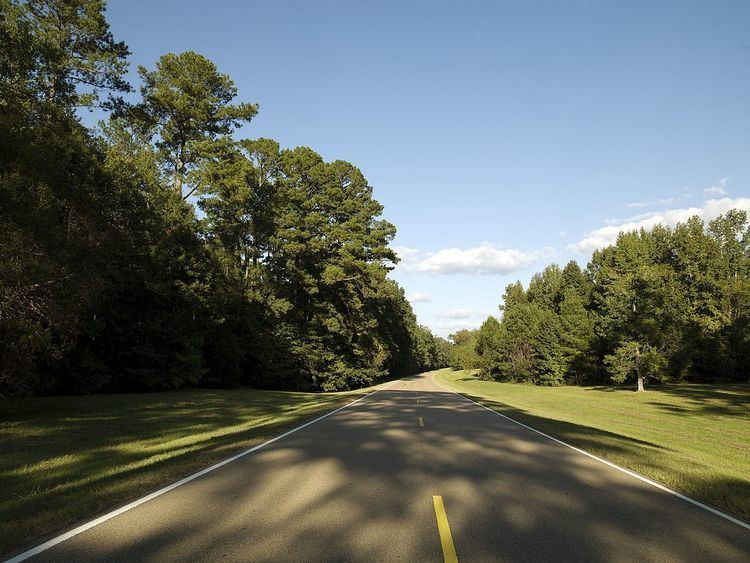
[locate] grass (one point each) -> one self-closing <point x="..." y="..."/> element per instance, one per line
<point x="65" y="459"/>
<point x="692" y="438"/>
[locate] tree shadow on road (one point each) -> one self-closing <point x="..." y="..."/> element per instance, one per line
<point x="67" y="458"/>
<point x="359" y="486"/>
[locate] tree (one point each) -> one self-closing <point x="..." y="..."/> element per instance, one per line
<point x="576" y="336"/>
<point x="303" y="238"/>
<point x="670" y="303"/>
<point x="514" y="295"/>
<point x="731" y="233"/>
<point x="187" y="106"/>
<point x="635" y="359"/>
<point x="544" y="288"/>
<point x="60" y="215"/>
<point x="464" y="353"/>
<point x="488" y="347"/>
<point x="60" y="54"/>
<point x="637" y="295"/>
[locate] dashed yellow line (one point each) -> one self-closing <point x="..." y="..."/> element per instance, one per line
<point x="446" y="540"/>
<point x="421" y="422"/>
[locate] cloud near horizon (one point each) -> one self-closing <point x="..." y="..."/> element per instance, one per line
<point x="484" y="259"/>
<point x="660" y="201"/>
<point x="719" y="189"/>
<point x="455" y="325"/>
<point x="419" y="297"/>
<point x="463" y="313"/>
<point x="607" y="235"/>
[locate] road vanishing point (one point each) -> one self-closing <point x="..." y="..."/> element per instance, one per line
<point x="412" y="472"/>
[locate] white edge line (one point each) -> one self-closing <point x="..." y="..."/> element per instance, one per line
<point x="95" y="522"/>
<point x="605" y="462"/>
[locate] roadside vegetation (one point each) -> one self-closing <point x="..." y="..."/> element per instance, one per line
<point x="159" y="251"/>
<point x="694" y="438"/>
<point x="68" y="458"/>
<point x="666" y="304"/>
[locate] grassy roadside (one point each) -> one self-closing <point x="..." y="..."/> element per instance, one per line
<point x="692" y="438"/>
<point x="65" y="459"/>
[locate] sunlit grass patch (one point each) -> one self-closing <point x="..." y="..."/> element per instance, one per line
<point x="692" y="438"/>
<point x="66" y="458"/>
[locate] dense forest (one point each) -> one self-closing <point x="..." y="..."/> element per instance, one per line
<point x="662" y="304"/>
<point x="158" y="251"/>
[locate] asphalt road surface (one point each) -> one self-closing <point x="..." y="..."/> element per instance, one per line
<point x="360" y="485"/>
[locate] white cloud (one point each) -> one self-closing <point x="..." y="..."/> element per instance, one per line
<point x="660" y="201"/>
<point x="484" y="259"/>
<point x="456" y="314"/>
<point x="449" y="327"/>
<point x="419" y="297"/>
<point x="563" y="234"/>
<point x="406" y="255"/>
<point x="718" y="189"/>
<point x="607" y="235"/>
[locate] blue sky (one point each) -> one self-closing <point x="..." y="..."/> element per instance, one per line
<point x="499" y="136"/>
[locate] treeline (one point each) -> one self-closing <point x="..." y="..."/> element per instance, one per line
<point x="111" y="280"/>
<point x="662" y="304"/>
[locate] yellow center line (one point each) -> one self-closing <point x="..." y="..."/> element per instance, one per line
<point x="421" y="422"/>
<point x="446" y="540"/>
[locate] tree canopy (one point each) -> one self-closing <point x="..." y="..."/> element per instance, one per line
<point x="160" y="251"/>
<point x="666" y="304"/>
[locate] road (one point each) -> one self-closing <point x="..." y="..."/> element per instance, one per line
<point x="359" y="486"/>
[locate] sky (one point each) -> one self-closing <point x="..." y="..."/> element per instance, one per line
<point x="499" y="136"/>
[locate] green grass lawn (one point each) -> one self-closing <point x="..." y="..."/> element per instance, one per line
<point x="65" y="459"/>
<point x="692" y="438"/>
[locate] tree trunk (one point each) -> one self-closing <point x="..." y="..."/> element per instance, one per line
<point x="638" y="375"/>
<point x="178" y="182"/>
<point x="179" y="172"/>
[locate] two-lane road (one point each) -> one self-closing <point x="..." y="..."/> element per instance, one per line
<point x="359" y="486"/>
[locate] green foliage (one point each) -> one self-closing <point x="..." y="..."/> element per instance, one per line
<point x="109" y="281"/>
<point x="62" y="213"/>
<point x="464" y="351"/>
<point x="488" y="347"/>
<point x="632" y="360"/>
<point x="187" y="107"/>
<point x="59" y="54"/>
<point x="576" y="336"/>
<point x="665" y="304"/>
